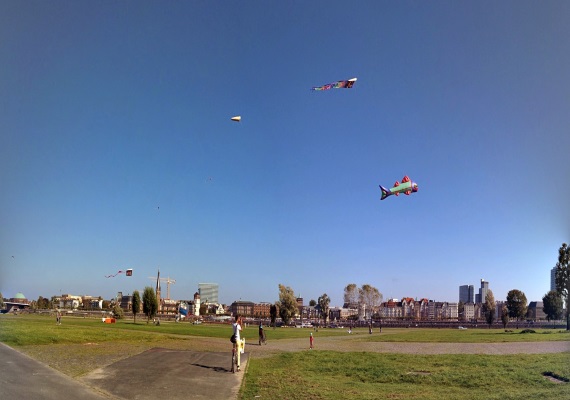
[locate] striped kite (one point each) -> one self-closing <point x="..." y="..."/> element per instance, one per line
<point x="337" y="85"/>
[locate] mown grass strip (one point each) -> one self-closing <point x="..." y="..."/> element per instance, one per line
<point x="333" y="375"/>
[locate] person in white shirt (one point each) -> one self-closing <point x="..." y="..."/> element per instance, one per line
<point x="237" y="328"/>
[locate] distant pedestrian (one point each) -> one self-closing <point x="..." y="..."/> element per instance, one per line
<point x="58" y="317"/>
<point x="311" y="340"/>
<point x="262" y="338"/>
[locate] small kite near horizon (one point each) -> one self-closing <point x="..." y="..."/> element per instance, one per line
<point x="237" y="118"/>
<point x="407" y="187"/>
<point x="337" y="85"/>
<point x="128" y="272"/>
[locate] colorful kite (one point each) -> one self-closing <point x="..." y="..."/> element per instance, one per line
<point x="407" y="187"/>
<point x="337" y="85"/>
<point x="128" y="272"/>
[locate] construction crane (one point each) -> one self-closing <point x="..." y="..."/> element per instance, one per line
<point x="168" y="282"/>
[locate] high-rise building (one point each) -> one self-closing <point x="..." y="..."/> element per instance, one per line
<point x="466" y="293"/>
<point x="208" y="292"/>
<point x="480" y="298"/>
<point x="553" y="279"/>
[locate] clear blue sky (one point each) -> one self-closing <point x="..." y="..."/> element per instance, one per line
<point x="117" y="150"/>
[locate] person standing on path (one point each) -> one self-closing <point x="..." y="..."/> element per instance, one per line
<point x="311" y="340"/>
<point x="237" y="328"/>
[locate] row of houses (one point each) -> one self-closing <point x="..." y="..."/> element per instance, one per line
<point x="393" y="309"/>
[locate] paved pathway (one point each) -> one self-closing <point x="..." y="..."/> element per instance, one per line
<point x="170" y="375"/>
<point x="24" y="378"/>
<point x="354" y="344"/>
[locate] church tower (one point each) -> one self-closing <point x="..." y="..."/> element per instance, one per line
<point x="158" y="291"/>
<point x="197" y="304"/>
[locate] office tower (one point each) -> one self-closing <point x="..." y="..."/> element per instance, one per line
<point x="208" y="292"/>
<point x="480" y="298"/>
<point x="466" y="293"/>
<point x="553" y="279"/>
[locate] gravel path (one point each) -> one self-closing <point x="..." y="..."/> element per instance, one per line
<point x="333" y="343"/>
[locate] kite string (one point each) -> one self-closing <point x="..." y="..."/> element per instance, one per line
<point x="112" y="276"/>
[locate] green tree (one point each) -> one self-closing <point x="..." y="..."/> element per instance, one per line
<point x="136" y="304"/>
<point x="287" y="304"/>
<point x="150" y="303"/>
<point x="489" y="308"/>
<point x="1" y="300"/>
<point x="370" y="297"/>
<point x="552" y="305"/>
<point x="324" y="302"/>
<point x="516" y="304"/>
<point x="203" y="309"/>
<point x="312" y="303"/>
<point x="43" y="303"/>
<point x="562" y="275"/>
<point x="351" y="296"/>
<point x="504" y="315"/>
<point x="117" y="312"/>
<point x="273" y="314"/>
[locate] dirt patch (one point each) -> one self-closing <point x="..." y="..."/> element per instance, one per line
<point x="552" y="377"/>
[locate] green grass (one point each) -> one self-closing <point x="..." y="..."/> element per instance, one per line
<point x="35" y="330"/>
<point x="466" y="336"/>
<point x="333" y="375"/>
<point x="80" y="345"/>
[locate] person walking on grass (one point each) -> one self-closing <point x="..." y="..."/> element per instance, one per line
<point x="311" y="340"/>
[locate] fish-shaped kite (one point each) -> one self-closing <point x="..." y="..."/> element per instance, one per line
<point x="407" y="187"/>
<point x="337" y="85"/>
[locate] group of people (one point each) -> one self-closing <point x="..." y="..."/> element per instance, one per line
<point x="236" y="327"/>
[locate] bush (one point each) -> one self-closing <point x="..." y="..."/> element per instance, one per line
<point x="528" y="331"/>
<point x="117" y="312"/>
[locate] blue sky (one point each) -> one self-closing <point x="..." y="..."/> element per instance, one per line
<point x="117" y="150"/>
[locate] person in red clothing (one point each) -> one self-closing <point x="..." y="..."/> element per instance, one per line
<point x="311" y="340"/>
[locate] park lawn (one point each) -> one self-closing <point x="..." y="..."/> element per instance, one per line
<point x="333" y="375"/>
<point x="80" y="345"/>
<point x="41" y="329"/>
<point x="423" y="335"/>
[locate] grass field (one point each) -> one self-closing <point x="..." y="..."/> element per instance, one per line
<point x="79" y="346"/>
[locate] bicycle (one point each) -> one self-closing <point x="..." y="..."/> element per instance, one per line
<point x="234" y="359"/>
<point x="235" y="365"/>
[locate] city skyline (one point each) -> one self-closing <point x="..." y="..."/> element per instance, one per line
<point x="467" y="290"/>
<point x="117" y="148"/>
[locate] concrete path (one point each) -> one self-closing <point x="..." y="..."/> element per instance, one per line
<point x="170" y="374"/>
<point x="24" y="378"/>
<point x="153" y="374"/>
